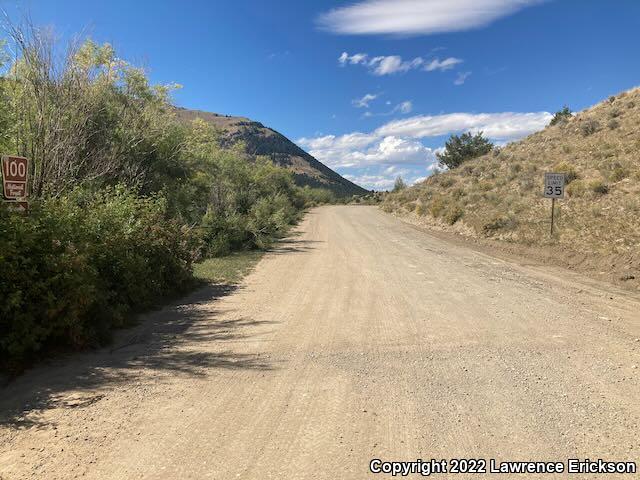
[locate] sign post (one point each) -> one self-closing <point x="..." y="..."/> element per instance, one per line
<point x="553" y="188"/>
<point x="14" y="181"/>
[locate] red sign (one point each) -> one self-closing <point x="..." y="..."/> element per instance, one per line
<point x="14" y="177"/>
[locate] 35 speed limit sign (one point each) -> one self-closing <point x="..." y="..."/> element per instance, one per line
<point x="14" y="177"/>
<point x="554" y="185"/>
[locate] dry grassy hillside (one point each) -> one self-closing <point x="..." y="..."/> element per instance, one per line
<point x="499" y="195"/>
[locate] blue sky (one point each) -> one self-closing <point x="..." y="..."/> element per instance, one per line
<point x="372" y="88"/>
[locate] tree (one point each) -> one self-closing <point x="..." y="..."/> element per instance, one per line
<point x="459" y="149"/>
<point x="399" y="184"/>
<point x="561" y="115"/>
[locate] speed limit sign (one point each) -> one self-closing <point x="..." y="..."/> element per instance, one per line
<point x="14" y="177"/>
<point x="554" y="185"/>
<point x="553" y="188"/>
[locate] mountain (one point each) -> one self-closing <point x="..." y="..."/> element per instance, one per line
<point x="261" y="140"/>
<point x="499" y="195"/>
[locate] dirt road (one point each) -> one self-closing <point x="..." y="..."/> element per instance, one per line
<point x="361" y="337"/>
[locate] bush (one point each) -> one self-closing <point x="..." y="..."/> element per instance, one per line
<point x="459" y="149"/>
<point x="437" y="207"/>
<point x="576" y="188"/>
<point x="399" y="184"/>
<point x="499" y="222"/>
<point x="561" y="116"/>
<point x="76" y="267"/>
<point x="570" y="173"/>
<point x="619" y="173"/>
<point x="599" y="187"/>
<point x="613" y="124"/>
<point x="453" y="214"/>
<point x="83" y="261"/>
<point x="269" y="218"/>
<point x="589" y="127"/>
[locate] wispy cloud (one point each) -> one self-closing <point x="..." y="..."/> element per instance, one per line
<point x="390" y="64"/>
<point x="364" y="101"/>
<point x="417" y="17"/>
<point x="276" y="55"/>
<point x="404" y="107"/>
<point x="381" y="65"/>
<point x="353" y="59"/>
<point x="442" y="65"/>
<point x="461" y="78"/>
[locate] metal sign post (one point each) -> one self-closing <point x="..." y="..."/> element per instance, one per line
<point x="553" y="188"/>
<point x="553" y="209"/>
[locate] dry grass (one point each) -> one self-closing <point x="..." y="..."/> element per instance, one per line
<point x="228" y="270"/>
<point x="499" y="195"/>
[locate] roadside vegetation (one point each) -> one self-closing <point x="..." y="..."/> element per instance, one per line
<point x="497" y="192"/>
<point x="125" y="198"/>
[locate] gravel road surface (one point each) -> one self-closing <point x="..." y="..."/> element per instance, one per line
<point x="359" y="337"/>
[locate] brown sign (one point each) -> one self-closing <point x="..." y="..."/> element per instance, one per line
<point x="14" y="177"/>
<point x="19" y="207"/>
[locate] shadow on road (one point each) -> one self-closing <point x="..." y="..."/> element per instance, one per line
<point x="181" y="339"/>
<point x="293" y="245"/>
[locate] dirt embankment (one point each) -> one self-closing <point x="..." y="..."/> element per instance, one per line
<point x="620" y="269"/>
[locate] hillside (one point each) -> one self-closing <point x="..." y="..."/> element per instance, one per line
<point x="499" y="195"/>
<point x="261" y="140"/>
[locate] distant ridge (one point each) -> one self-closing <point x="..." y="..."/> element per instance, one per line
<point x="261" y="140"/>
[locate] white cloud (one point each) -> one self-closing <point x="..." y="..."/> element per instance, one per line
<point x="416" y="17"/>
<point x="393" y="64"/>
<point x="384" y="178"/>
<point x="396" y="146"/>
<point x="354" y="59"/>
<point x="390" y="64"/>
<point x="461" y="78"/>
<point x="364" y="101"/>
<point x="404" y="107"/>
<point x="442" y="65"/>
<point x="360" y="150"/>
<point x="498" y="126"/>
<point x="372" y="182"/>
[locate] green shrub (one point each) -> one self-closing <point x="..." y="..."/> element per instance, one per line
<point x="269" y="218"/>
<point x="561" y="116"/>
<point x="459" y="149"/>
<point x="76" y="267"/>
